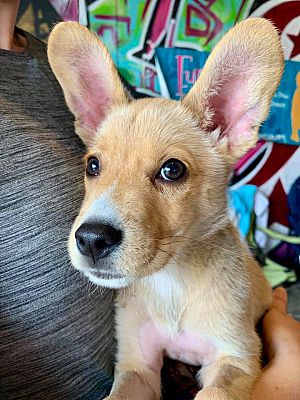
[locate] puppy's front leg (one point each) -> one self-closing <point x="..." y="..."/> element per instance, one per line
<point x="139" y="358"/>
<point x="228" y="378"/>
<point x="133" y="385"/>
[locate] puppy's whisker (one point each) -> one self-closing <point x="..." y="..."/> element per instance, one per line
<point x="170" y="255"/>
<point x="205" y="242"/>
<point x="193" y="247"/>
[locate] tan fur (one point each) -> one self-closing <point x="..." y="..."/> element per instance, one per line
<point x="264" y="60"/>
<point x="184" y="264"/>
<point x="71" y="46"/>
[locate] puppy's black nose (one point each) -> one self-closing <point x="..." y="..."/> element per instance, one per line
<point x="97" y="240"/>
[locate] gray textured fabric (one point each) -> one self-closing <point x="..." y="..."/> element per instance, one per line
<point x="294" y="300"/>
<point x="55" y="328"/>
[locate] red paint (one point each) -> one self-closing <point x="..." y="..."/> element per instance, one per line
<point x="212" y="22"/>
<point x="282" y="14"/>
<point x="148" y="78"/>
<point x="126" y="20"/>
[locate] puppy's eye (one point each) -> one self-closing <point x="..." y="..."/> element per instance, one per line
<point x="93" y="166"/>
<point x="172" y="170"/>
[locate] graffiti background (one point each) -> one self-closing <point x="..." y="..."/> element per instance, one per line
<point x="160" y="46"/>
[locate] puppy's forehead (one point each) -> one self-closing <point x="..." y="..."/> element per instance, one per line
<point x="150" y="120"/>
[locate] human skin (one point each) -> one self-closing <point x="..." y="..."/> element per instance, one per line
<point x="281" y="335"/>
<point x="9" y="40"/>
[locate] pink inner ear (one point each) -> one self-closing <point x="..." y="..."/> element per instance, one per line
<point x="88" y="111"/>
<point x="94" y="91"/>
<point x="231" y="113"/>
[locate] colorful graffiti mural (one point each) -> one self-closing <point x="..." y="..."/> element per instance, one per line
<point x="134" y="29"/>
<point x="160" y="46"/>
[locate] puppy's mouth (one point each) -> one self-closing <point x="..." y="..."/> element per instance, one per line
<point x="107" y="279"/>
<point x="103" y="274"/>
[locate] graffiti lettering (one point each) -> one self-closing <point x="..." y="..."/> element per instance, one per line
<point x="148" y="80"/>
<point x="213" y="24"/>
<point x="185" y="76"/>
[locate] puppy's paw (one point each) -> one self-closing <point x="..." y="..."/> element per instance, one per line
<point x="213" y="393"/>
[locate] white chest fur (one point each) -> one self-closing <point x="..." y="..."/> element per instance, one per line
<point x="162" y="333"/>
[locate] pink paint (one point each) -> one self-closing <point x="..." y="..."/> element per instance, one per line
<point x="186" y="346"/>
<point x="251" y="153"/>
<point x="180" y="66"/>
<point x="146" y="9"/>
<point x="201" y="15"/>
<point x="68" y="10"/>
<point x="160" y="22"/>
<point x="114" y="33"/>
<point x="192" y="76"/>
<point x="185" y="75"/>
<point x="148" y="79"/>
<point x="170" y="39"/>
<point x="60" y="6"/>
<point x="117" y="18"/>
<point x="213" y="24"/>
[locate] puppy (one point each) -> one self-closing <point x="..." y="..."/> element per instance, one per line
<point x="154" y="219"/>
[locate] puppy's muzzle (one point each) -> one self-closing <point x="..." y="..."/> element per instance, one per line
<point x="97" y="241"/>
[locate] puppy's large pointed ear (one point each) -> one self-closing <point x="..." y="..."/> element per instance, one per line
<point x="232" y="96"/>
<point x="87" y="75"/>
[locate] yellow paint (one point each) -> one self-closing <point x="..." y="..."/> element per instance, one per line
<point x="295" y="111"/>
<point x="26" y="21"/>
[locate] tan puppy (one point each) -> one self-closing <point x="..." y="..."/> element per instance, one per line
<point x="154" y="219"/>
